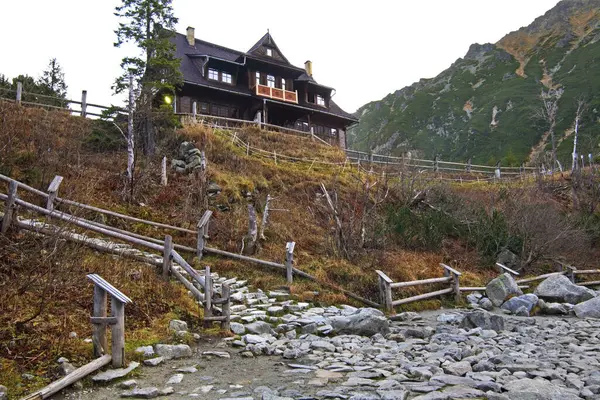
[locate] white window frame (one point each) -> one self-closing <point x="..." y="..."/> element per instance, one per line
<point x="283" y="84"/>
<point x="213" y="74"/>
<point x="226" y="77"/>
<point x="271" y="81"/>
<point x="270" y="52"/>
<point x="320" y="100"/>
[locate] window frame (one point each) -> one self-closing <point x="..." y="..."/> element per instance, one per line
<point x="226" y="74"/>
<point x="320" y="100"/>
<point x="269" y="52"/>
<point x="211" y="72"/>
<point x="271" y="81"/>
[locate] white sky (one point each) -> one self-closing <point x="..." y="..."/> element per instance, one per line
<point x="364" y="49"/>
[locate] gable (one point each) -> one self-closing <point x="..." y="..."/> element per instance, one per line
<point x="267" y="48"/>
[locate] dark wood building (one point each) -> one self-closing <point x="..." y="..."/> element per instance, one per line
<point x="257" y="85"/>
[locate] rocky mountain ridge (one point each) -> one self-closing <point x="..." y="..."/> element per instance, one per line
<point x="483" y="106"/>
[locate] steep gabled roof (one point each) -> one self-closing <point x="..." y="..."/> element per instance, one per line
<point x="266" y="41"/>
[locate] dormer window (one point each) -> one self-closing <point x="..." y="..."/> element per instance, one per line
<point x="213" y="74"/>
<point x="320" y="100"/>
<point x="225" y="77"/>
<point x="270" y="52"/>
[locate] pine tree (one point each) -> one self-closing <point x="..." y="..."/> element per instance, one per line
<point x="149" y="24"/>
<point x="53" y="80"/>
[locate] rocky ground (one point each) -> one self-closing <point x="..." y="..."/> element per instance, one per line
<point x="451" y="354"/>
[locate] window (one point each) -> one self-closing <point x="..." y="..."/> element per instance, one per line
<point x="203" y="108"/>
<point x="225" y="77"/>
<point x="270" y="52"/>
<point x="333" y="132"/>
<point x="283" y="83"/>
<point x="270" y="81"/>
<point x="213" y="74"/>
<point x="257" y="78"/>
<point x="320" y="100"/>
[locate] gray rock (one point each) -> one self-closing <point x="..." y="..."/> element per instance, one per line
<point x="112" y="374"/>
<point x="291" y="354"/>
<point x="451" y="318"/>
<point x="322" y="345"/>
<point x="528" y="301"/>
<point x="3" y="392"/>
<point x="509" y="260"/>
<point x="253" y="339"/>
<point x="213" y="188"/>
<point x="555" y="308"/>
<point x="459" y="368"/>
<point x="364" y="322"/>
<point x="501" y="288"/>
<point x="153" y="362"/>
<point x="259" y="327"/>
<point x="143" y="393"/>
<point x="484" y="320"/>
<point x="559" y="288"/>
<point x="147" y="351"/>
<point x="220" y="354"/>
<point x="588" y="309"/>
<point x="65" y="368"/>
<point x="169" y="351"/>
<point x="486" y="304"/>
<point x="393" y="394"/>
<point x="175" y="379"/>
<point x="178" y="325"/>
<point x="237" y="328"/>
<point x="128" y="384"/>
<point x="537" y="389"/>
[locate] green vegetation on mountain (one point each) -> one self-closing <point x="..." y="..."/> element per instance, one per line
<point x="483" y="107"/>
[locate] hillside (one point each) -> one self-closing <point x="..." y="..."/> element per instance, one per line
<point x="483" y="105"/>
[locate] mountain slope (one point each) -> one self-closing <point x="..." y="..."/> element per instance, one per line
<point x="482" y="107"/>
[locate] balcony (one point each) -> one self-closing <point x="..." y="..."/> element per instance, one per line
<point x="277" y="94"/>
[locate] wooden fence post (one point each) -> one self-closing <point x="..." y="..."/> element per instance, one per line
<point x="226" y="294"/>
<point x="19" y="92"/>
<point x="208" y="289"/>
<point x="456" y="286"/>
<point x="118" y="333"/>
<point x="571" y="273"/>
<point x="9" y="206"/>
<point x="289" y="262"/>
<point x="203" y="233"/>
<point x="99" y="336"/>
<point x="53" y="191"/>
<point x="385" y="291"/>
<point x="84" y="103"/>
<point x="167" y="258"/>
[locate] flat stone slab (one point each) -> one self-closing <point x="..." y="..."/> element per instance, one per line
<point x="112" y="374"/>
<point x="153" y="362"/>
<point x="143" y="393"/>
<point x="220" y="354"/>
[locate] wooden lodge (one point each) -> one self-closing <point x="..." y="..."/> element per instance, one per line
<point x="257" y="85"/>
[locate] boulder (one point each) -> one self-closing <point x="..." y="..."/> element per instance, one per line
<point x="502" y="288"/>
<point x="554" y="308"/>
<point x="178" y="325"/>
<point x="559" y="288"/>
<point x="484" y="320"/>
<point x="509" y="260"/>
<point x="486" y="304"/>
<point x="169" y="351"/>
<point x="3" y="392"/>
<point x="528" y="301"/>
<point x="259" y="327"/>
<point x="537" y="389"/>
<point x="588" y="309"/>
<point x="237" y="328"/>
<point x="363" y="322"/>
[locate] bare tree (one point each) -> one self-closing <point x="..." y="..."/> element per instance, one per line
<point x="581" y="105"/>
<point x="548" y="112"/>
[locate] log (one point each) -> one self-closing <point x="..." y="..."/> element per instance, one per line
<point x="450" y="269"/>
<point x="68" y="380"/>
<point x="103" y="320"/>
<point x="422" y="297"/>
<point x="505" y="268"/>
<point x="9" y="206"/>
<point x="592" y="283"/>
<point x="167" y="263"/>
<point x="445" y="279"/>
<point x="188" y="268"/>
<point x="586" y="271"/>
<point x="249" y="259"/>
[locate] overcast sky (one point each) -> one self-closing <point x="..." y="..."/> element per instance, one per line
<point x="364" y="49"/>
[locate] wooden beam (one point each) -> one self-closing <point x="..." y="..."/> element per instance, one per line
<point x="68" y="380"/>
<point x="505" y="268"/>
<point x="384" y="276"/>
<point x="103" y="320"/>
<point x="226" y="293"/>
<point x="118" y="333"/>
<point x="9" y="205"/>
<point x="53" y="191"/>
<point x="289" y="262"/>
<point x="422" y="297"/>
<point x="539" y="278"/>
<point x="445" y="279"/>
<point x="450" y="269"/>
<point x="99" y="336"/>
<point x="167" y="263"/>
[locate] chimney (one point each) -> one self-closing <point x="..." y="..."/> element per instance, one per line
<point x="191" y="38"/>
<point x="308" y="68"/>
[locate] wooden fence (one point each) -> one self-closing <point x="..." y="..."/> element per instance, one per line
<point x="386" y="284"/>
<point x="568" y="270"/>
<point x="162" y="246"/>
<point x="83" y="107"/>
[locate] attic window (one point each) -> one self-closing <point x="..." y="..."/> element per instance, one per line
<point x="225" y="77"/>
<point x="213" y="74"/>
<point x="320" y="100"/>
<point x="270" y="52"/>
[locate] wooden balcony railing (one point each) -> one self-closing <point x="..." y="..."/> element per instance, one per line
<point x="277" y="94"/>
